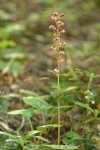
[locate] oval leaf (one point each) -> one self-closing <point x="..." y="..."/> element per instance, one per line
<point x="37" y="103"/>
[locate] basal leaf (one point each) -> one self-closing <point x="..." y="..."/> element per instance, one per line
<point x="43" y="128"/>
<point x="62" y="147"/>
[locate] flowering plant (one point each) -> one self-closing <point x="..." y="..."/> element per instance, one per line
<point x="58" y="46"/>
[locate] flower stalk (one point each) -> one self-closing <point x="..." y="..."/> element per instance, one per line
<point x="58" y="46"/>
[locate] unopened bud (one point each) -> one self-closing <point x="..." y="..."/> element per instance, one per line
<point x="52" y="27"/>
<point x="64" y="43"/>
<point x="56" y="70"/>
<point x="55" y="14"/>
<point x="57" y="39"/>
<point x="93" y="102"/>
<point x="87" y="92"/>
<point x="60" y="23"/>
<point x="61" y="52"/>
<point x="62" y="14"/>
<point x="53" y="18"/>
<point x="62" y="32"/>
<point x="62" y="60"/>
<point x="51" y="48"/>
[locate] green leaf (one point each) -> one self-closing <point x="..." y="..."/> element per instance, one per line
<point x="42" y="139"/>
<point x="6" y="43"/>
<point x="8" y="134"/>
<point x="72" y="134"/>
<point x="45" y="78"/>
<point x="89" y="145"/>
<point x="40" y="147"/>
<point x="9" y="145"/>
<point x="72" y="138"/>
<point x="3" y="105"/>
<point x="38" y="103"/>
<point x="5" y="15"/>
<point x="70" y="88"/>
<point x="2" y="65"/>
<point x="96" y="112"/>
<point x="43" y="128"/>
<point x="10" y="55"/>
<point x="11" y="95"/>
<point x="25" y="112"/>
<point x="28" y="93"/>
<point x="15" y="28"/>
<point x="55" y="110"/>
<point x="86" y="106"/>
<point x="15" y="68"/>
<point x="31" y="134"/>
<point x="53" y="147"/>
<point x="88" y="74"/>
<point x="62" y="147"/>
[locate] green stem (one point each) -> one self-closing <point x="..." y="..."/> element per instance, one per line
<point x="23" y="147"/>
<point x="44" y="125"/>
<point x="43" y="119"/>
<point x="95" y="125"/>
<point x="58" y="101"/>
<point x="39" y="139"/>
<point x="30" y="124"/>
<point x="87" y="113"/>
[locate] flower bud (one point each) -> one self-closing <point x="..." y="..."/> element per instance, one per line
<point x="56" y="70"/>
<point x="62" y="14"/>
<point x="62" y="32"/>
<point x="52" y="27"/>
<point x="64" y="43"/>
<point x="60" y="23"/>
<point x="61" y="60"/>
<point x="55" y="14"/>
<point x="53" y="18"/>
<point x="61" y="52"/>
<point x="51" y="48"/>
<point x="57" y="38"/>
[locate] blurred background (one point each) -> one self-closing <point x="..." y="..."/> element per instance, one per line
<point x="26" y="63"/>
<point x="25" y="40"/>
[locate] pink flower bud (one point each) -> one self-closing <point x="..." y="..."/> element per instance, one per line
<point x="64" y="43"/>
<point x="61" y="52"/>
<point x="56" y="70"/>
<point x="62" y="32"/>
<point x="51" y="48"/>
<point x="52" y="27"/>
<point x="53" y="18"/>
<point x="55" y="14"/>
<point x="61" y="60"/>
<point x="62" y="14"/>
<point x="60" y="23"/>
<point x="57" y="39"/>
